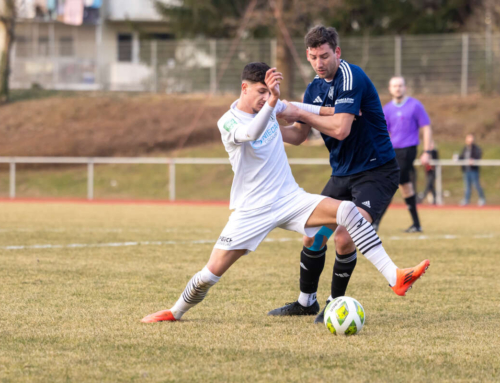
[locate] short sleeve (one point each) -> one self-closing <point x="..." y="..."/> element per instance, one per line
<point x="350" y="92"/>
<point x="421" y="115"/>
<point x="307" y="95"/>
<point x="280" y="107"/>
<point x="227" y="127"/>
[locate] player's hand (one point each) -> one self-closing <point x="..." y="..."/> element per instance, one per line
<point x="272" y="81"/>
<point x="290" y="114"/>
<point x="425" y="158"/>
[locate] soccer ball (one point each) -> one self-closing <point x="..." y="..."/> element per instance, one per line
<point x="344" y="316"/>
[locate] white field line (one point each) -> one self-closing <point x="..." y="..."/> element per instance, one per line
<point x="100" y="230"/>
<point x="211" y="241"/>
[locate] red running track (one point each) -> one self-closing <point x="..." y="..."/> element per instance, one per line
<point x="204" y="203"/>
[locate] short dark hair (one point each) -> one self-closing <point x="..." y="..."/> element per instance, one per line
<point x="320" y="35"/>
<point x="255" y="72"/>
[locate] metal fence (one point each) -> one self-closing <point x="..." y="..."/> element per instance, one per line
<point x="173" y="162"/>
<point x="57" y="57"/>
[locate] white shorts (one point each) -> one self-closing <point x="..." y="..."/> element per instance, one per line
<point x="246" y="229"/>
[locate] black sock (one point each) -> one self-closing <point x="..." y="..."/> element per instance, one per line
<point x="342" y="271"/>
<point x="311" y="267"/>
<point x="411" y="202"/>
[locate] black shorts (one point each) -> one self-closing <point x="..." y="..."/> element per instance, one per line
<point x="405" y="158"/>
<point x="371" y="190"/>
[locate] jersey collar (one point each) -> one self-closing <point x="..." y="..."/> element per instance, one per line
<point x="402" y="104"/>
<point x="240" y="113"/>
<point x="337" y="74"/>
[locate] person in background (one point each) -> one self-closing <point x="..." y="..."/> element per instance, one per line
<point x="470" y="153"/>
<point x="405" y="117"/>
<point x="430" y="175"/>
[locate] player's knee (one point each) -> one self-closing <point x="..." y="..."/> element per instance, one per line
<point x="307" y="241"/>
<point x="407" y="190"/>
<point x="343" y="241"/>
<point x="319" y="241"/>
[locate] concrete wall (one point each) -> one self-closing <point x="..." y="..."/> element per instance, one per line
<point x="55" y="55"/>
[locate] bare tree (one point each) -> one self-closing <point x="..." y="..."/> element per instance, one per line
<point x="7" y="25"/>
<point x="282" y="19"/>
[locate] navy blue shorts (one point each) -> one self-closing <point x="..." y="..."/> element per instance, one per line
<point x="371" y="190"/>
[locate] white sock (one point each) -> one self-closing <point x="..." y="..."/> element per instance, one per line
<point x="366" y="240"/>
<point x="195" y="291"/>
<point x="307" y="300"/>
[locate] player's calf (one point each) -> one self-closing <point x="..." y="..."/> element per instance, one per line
<point x="195" y="291"/>
<point x="312" y="263"/>
<point x="345" y="262"/>
<point x="198" y="286"/>
<point x="370" y="245"/>
<point x="366" y="239"/>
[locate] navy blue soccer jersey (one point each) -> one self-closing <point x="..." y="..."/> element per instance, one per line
<point x="368" y="145"/>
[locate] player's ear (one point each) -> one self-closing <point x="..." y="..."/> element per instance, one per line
<point x="307" y="54"/>
<point x="338" y="52"/>
<point x="244" y="87"/>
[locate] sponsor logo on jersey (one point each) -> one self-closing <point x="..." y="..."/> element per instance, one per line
<point x="318" y="100"/>
<point x="270" y="134"/>
<point x="330" y="93"/>
<point x="229" y="125"/>
<point x="367" y="203"/>
<point x="344" y="101"/>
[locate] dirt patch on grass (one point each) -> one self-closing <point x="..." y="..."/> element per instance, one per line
<point x="124" y="125"/>
<point x="106" y="125"/>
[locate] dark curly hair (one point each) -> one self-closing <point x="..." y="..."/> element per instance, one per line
<point x="255" y="72"/>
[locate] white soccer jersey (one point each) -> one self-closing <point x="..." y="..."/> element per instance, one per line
<point x="262" y="174"/>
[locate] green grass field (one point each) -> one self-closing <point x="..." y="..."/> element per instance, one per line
<point x="71" y="308"/>
<point x="151" y="181"/>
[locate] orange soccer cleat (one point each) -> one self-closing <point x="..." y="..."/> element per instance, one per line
<point x="407" y="277"/>
<point x="160" y="316"/>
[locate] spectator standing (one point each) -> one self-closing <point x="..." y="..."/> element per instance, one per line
<point x="470" y="153"/>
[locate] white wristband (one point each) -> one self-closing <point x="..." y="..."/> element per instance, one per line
<point x="314" y="109"/>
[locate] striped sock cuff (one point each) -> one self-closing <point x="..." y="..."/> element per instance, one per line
<point x="344" y="259"/>
<point x="197" y="288"/>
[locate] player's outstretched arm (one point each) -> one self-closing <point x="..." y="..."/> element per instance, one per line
<point x="337" y="126"/>
<point x="297" y="133"/>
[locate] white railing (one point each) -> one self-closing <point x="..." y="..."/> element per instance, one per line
<point x="172" y="162"/>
